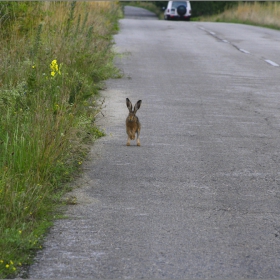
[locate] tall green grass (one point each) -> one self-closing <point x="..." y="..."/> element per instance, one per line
<point x="54" y="57"/>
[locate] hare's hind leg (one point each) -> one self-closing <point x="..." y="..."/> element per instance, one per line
<point x="128" y="141"/>
<point x="138" y="140"/>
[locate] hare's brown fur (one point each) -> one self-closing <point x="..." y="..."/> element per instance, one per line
<point x="133" y="125"/>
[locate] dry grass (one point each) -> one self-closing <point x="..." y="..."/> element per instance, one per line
<point x="264" y="14"/>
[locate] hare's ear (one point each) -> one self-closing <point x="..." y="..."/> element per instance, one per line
<point x="137" y="105"/>
<point x="129" y="105"/>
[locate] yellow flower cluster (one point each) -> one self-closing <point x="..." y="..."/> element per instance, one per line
<point x="9" y="265"/>
<point x="54" y="68"/>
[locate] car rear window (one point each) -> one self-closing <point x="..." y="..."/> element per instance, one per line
<point x="176" y="4"/>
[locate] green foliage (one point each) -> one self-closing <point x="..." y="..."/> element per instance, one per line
<point x="200" y="8"/>
<point x="50" y="75"/>
<point x="10" y="11"/>
<point x="20" y="12"/>
<point x="161" y="4"/>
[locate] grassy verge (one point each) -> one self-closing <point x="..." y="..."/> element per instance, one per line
<point x="54" y="57"/>
<point x="266" y="14"/>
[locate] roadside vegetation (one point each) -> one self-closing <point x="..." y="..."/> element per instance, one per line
<point x="266" y="14"/>
<point x="54" y="57"/>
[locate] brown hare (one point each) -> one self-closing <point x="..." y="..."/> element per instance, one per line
<point x="132" y="122"/>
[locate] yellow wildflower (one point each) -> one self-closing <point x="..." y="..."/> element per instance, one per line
<point x="7" y="266"/>
<point x="54" y="68"/>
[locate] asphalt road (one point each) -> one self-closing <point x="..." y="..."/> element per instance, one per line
<point x="200" y="198"/>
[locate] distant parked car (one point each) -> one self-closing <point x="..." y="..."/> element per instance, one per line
<point x="178" y="10"/>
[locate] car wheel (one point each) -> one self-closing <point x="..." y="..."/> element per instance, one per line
<point x="181" y="10"/>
